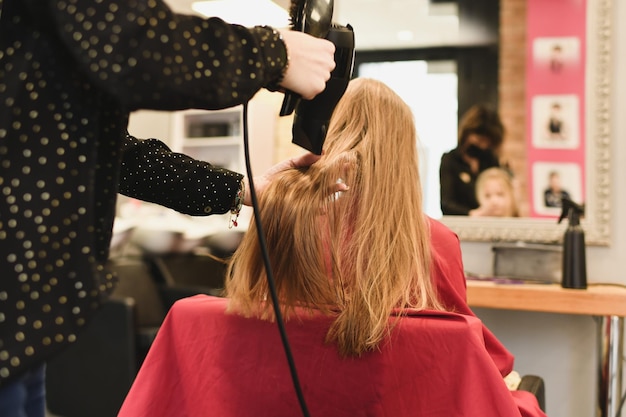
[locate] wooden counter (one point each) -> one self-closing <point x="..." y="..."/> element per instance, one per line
<point x="608" y="302"/>
<point x="596" y="300"/>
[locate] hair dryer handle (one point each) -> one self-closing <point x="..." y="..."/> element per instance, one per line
<point x="313" y="116"/>
<point x="289" y="103"/>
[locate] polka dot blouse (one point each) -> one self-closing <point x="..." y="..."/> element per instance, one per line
<point x="71" y="71"/>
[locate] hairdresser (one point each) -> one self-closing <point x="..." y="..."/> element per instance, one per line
<point x="70" y="73"/>
<point x="481" y="134"/>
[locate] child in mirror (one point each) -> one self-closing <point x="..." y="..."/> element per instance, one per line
<point x="495" y="193"/>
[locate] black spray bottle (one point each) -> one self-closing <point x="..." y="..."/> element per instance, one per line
<point x="574" y="257"/>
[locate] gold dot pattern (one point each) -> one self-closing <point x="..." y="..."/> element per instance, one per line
<point x="151" y="172"/>
<point x="71" y="71"/>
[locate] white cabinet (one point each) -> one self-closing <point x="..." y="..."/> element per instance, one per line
<point x="213" y="136"/>
<point x="216" y="137"/>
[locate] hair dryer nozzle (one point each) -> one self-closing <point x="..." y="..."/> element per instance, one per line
<point x="313" y="116"/>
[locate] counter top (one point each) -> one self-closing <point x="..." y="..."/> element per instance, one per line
<point x="596" y="300"/>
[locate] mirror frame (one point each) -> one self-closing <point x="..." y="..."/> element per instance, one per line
<point x="598" y="151"/>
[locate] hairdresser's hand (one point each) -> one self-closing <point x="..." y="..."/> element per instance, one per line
<point x="305" y="160"/>
<point x="311" y="60"/>
<point x="486" y="210"/>
<point x="478" y="212"/>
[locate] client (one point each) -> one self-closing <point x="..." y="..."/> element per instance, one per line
<point x="372" y="291"/>
<point x="495" y="192"/>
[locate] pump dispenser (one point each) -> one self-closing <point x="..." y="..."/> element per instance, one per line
<point x="574" y="257"/>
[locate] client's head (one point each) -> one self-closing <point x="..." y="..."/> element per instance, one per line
<point x="495" y="192"/>
<point x="357" y="254"/>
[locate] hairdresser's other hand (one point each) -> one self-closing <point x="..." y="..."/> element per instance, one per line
<point x="485" y="210"/>
<point x="311" y="60"/>
<point x="479" y="212"/>
<point x="261" y="182"/>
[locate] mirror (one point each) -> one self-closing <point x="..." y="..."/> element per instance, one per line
<point x="596" y="158"/>
<point x="512" y="98"/>
<point x="472" y="38"/>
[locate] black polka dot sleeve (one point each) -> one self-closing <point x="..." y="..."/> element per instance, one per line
<point x="151" y="172"/>
<point x="70" y="73"/>
<point x="149" y="57"/>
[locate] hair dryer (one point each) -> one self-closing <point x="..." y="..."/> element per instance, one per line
<point x="312" y="117"/>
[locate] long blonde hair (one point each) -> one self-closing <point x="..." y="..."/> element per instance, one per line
<point x="357" y="255"/>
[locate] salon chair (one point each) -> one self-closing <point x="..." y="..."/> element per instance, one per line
<point x="184" y="275"/>
<point x="155" y="282"/>
<point x="535" y="385"/>
<point x="92" y="376"/>
<point x="434" y="364"/>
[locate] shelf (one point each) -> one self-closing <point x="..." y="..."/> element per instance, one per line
<point x="209" y="124"/>
<point x="212" y="141"/>
<point x="213" y="136"/>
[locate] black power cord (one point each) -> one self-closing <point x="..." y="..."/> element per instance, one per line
<point x="268" y="268"/>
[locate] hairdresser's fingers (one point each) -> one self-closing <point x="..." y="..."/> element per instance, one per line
<point x="335" y="191"/>
<point x="340" y="186"/>
<point x="304" y="160"/>
<point x="261" y="182"/>
<point x="311" y="60"/>
<point x="477" y="212"/>
<point x="481" y="211"/>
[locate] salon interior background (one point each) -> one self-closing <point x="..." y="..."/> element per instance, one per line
<point x="440" y="56"/>
<point x="560" y="348"/>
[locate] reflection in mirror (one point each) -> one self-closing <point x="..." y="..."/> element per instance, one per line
<point x="523" y="115"/>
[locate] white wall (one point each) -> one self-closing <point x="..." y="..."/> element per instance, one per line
<point x="562" y="348"/>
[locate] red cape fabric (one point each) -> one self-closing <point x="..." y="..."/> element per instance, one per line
<point x="205" y="362"/>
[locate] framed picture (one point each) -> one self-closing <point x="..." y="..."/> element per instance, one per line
<point x="556" y="55"/>
<point x="555" y="121"/>
<point x="551" y="182"/>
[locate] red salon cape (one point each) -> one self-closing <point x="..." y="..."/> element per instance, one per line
<point x="205" y="362"/>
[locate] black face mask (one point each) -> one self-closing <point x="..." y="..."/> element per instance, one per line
<point x="477" y="152"/>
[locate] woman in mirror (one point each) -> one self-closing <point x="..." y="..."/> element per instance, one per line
<point x="481" y="134"/>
